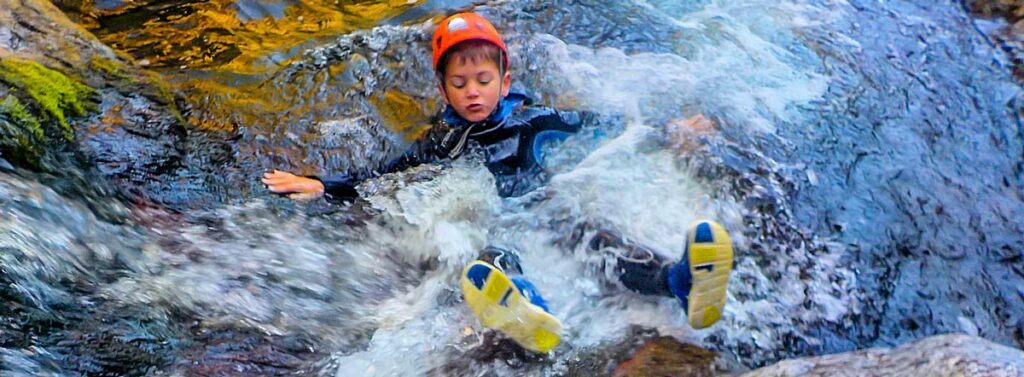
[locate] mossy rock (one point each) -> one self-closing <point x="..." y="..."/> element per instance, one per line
<point x="110" y="68"/>
<point x="21" y="135"/>
<point x="56" y="95"/>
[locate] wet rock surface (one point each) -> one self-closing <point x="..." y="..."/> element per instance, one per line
<point x="941" y="355"/>
<point x="902" y="184"/>
<point x="130" y="127"/>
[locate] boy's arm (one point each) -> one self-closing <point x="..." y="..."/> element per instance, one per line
<point x="341" y="186"/>
<point x="548" y="119"/>
<point x="545" y="126"/>
<point x="423" y="150"/>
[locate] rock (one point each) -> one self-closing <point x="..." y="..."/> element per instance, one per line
<point x="664" y="356"/>
<point x="37" y="103"/>
<point x="1012" y="10"/>
<point x="68" y="101"/>
<point x="56" y="74"/>
<point x="237" y="35"/>
<point x="21" y="135"/>
<point x="940" y="355"/>
<point x="56" y="95"/>
<point x="1009" y="38"/>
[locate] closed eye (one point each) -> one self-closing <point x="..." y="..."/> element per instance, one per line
<point x="484" y="78"/>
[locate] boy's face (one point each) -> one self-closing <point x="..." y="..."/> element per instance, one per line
<point x="473" y="88"/>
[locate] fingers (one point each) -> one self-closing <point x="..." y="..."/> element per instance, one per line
<point x="277" y="174"/>
<point x="277" y="177"/>
<point x="286" y="187"/>
<point x="697" y="120"/>
<point x="278" y="189"/>
<point x="277" y="180"/>
<point x="296" y="187"/>
<point x="303" y="196"/>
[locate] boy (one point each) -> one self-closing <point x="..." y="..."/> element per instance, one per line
<point x="471" y="63"/>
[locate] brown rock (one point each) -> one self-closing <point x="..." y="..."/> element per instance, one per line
<point x="664" y="356"/>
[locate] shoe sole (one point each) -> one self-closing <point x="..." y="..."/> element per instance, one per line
<point x="499" y="305"/>
<point x="709" y="249"/>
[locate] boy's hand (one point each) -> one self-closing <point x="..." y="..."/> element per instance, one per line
<point x="684" y="133"/>
<point x="296" y="187"/>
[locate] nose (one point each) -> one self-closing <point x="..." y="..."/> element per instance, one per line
<point x="472" y="90"/>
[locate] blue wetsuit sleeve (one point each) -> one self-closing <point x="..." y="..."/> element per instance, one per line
<point x="546" y="127"/>
<point x="555" y="120"/>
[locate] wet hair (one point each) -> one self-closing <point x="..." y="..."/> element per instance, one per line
<point x="475" y="50"/>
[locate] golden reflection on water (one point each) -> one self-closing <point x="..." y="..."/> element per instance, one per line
<point x="218" y="53"/>
<point x="238" y="36"/>
<point x="403" y="114"/>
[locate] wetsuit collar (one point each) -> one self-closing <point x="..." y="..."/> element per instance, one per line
<point x="463" y="129"/>
<point x="505" y="108"/>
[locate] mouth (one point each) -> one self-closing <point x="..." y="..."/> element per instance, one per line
<point x="476" y="107"/>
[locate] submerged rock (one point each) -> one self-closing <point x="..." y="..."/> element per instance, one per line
<point x="940" y="355"/>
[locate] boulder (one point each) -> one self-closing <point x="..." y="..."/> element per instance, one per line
<point x="940" y="355"/>
<point x="66" y="98"/>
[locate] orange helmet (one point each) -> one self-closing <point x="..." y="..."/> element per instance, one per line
<point x="461" y="27"/>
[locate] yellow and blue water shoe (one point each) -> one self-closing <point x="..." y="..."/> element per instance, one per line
<point x="511" y="305"/>
<point x="701" y="279"/>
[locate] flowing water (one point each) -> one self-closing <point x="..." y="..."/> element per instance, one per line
<point x="867" y="160"/>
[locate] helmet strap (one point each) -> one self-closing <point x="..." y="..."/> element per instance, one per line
<point x="440" y="85"/>
<point x="501" y="73"/>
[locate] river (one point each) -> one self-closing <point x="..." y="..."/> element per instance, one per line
<point x="867" y="160"/>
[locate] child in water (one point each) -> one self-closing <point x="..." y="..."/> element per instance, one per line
<point x="471" y="63"/>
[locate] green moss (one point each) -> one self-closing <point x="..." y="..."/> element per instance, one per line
<point x="21" y="135"/>
<point x="110" y="68"/>
<point x="55" y="93"/>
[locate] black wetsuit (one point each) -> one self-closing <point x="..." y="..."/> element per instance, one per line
<point x="512" y="139"/>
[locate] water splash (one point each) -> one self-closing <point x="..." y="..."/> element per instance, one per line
<point x="739" y="60"/>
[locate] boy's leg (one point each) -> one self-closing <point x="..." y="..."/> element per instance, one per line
<point x="702" y="276"/>
<point x="700" y="279"/>
<point x="506" y="260"/>
<point x="639" y="268"/>
<point x="498" y="294"/>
